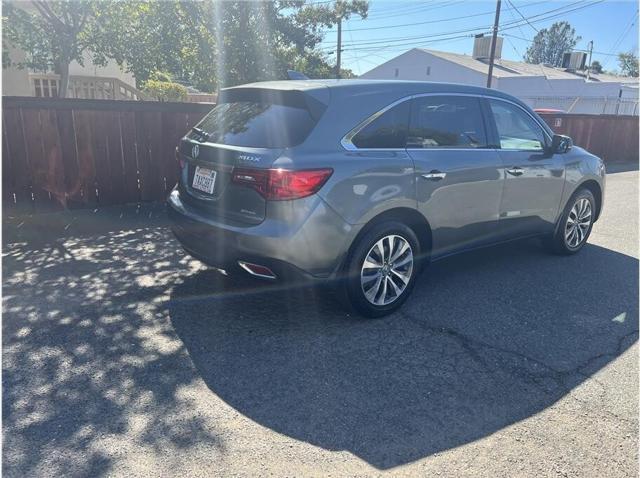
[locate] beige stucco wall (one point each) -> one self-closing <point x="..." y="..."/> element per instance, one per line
<point x="15" y="82"/>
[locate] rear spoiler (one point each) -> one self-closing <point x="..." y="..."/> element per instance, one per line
<point x="296" y="98"/>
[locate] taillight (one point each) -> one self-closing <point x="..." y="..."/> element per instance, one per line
<point x="179" y="158"/>
<point x="282" y="184"/>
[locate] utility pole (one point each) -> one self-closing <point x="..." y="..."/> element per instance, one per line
<point x="494" y="39"/>
<point x="339" y="50"/>
<point x="590" y="53"/>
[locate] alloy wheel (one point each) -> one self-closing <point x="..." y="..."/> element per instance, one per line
<point x="578" y="223"/>
<point x="387" y="270"/>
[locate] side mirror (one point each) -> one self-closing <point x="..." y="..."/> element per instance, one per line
<point x="560" y="144"/>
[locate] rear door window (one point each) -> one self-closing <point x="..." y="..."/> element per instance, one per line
<point x="446" y="122"/>
<point x="257" y="124"/>
<point x="388" y="131"/>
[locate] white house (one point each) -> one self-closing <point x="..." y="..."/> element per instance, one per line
<point x="538" y="85"/>
<point x="88" y="81"/>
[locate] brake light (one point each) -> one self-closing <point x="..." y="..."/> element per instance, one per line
<point x="282" y="184"/>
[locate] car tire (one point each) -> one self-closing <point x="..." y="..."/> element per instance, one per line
<point x="575" y="224"/>
<point x="391" y="251"/>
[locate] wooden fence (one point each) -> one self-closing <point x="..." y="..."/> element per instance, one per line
<point x="613" y="138"/>
<point x="73" y="153"/>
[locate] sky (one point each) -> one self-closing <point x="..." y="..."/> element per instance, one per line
<point x="395" y="26"/>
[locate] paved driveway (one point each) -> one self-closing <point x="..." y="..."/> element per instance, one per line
<point x="124" y="357"/>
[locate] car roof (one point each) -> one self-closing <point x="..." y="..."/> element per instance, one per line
<point x="353" y="86"/>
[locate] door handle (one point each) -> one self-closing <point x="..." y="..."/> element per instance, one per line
<point x="434" y="175"/>
<point x="515" y="171"/>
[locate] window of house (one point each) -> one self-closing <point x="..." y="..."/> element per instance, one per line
<point x="388" y="131"/>
<point x="44" y="87"/>
<point x="446" y="122"/>
<point x="516" y="129"/>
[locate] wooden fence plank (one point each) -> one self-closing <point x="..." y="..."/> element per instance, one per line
<point x="114" y="156"/>
<point x="17" y="156"/>
<point x="53" y="159"/>
<point x="72" y="176"/>
<point x="149" y="140"/>
<point x="37" y="158"/>
<point x="131" y="190"/>
<point x="86" y="162"/>
<point x="101" y="158"/>
<point x="8" y="176"/>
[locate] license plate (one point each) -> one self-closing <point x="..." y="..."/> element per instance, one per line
<point x="204" y="179"/>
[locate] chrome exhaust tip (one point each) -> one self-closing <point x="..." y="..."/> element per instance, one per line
<point x="257" y="270"/>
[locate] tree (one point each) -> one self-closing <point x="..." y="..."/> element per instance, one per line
<point x="52" y="36"/>
<point x="596" y="67"/>
<point x="628" y="63"/>
<point x="549" y="45"/>
<point x="261" y="40"/>
<point x="148" y="36"/>
<point x="207" y="44"/>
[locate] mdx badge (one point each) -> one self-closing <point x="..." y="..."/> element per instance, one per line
<point x="246" y="157"/>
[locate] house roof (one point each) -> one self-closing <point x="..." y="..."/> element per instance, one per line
<point x="509" y="69"/>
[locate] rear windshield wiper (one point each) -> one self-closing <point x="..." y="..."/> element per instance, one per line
<point x="204" y="136"/>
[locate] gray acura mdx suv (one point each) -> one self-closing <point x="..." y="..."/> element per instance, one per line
<point x="365" y="181"/>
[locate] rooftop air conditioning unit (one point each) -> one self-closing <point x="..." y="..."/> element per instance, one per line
<point x="574" y="61"/>
<point x="482" y="47"/>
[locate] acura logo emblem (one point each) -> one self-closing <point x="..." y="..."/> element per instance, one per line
<point x="195" y="151"/>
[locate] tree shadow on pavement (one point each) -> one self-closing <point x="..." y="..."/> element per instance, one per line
<point x="89" y="358"/>
<point x="488" y="338"/>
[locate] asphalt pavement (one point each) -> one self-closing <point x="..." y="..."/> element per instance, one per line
<point x="122" y="356"/>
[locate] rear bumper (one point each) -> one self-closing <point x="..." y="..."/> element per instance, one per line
<point x="305" y="240"/>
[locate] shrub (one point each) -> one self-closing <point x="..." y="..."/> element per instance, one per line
<point x="165" y="90"/>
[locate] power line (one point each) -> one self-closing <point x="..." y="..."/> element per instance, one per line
<point x="443" y="20"/>
<point x="466" y="30"/>
<point x="523" y="17"/>
<point x="399" y="11"/>
<point x="399" y="41"/>
<point x="621" y="38"/>
<point x="466" y="16"/>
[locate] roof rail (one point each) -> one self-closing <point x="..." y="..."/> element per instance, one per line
<point x="296" y="75"/>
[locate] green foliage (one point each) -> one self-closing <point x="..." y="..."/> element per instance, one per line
<point x="628" y="63"/>
<point x="261" y="40"/>
<point x="165" y="90"/>
<point x="208" y="44"/>
<point x="596" y="67"/>
<point x="52" y="35"/>
<point x="171" y="36"/>
<point x="550" y="44"/>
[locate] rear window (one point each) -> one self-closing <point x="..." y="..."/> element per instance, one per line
<point x="388" y="131"/>
<point x="257" y="124"/>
